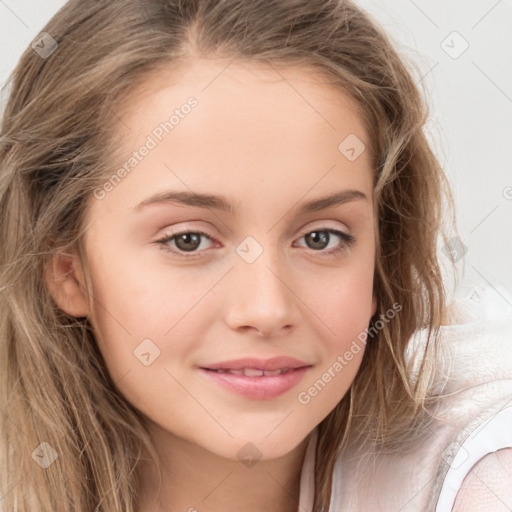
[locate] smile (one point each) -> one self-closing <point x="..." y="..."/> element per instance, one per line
<point x="256" y="384"/>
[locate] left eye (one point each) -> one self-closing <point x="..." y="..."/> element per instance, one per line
<point x="318" y="239"/>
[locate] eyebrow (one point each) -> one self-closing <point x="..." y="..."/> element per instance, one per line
<point x="221" y="203"/>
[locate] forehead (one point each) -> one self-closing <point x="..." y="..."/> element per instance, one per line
<point x="273" y="94"/>
<point x="254" y="123"/>
<point x="209" y="76"/>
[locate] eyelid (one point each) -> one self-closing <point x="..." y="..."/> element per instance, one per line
<point x="347" y="239"/>
<point x="323" y="226"/>
<point x="318" y="225"/>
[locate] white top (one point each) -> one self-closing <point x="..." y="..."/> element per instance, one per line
<point x="473" y="419"/>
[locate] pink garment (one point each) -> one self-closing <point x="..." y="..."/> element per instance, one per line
<point x="473" y="423"/>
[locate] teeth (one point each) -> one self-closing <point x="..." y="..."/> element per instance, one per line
<point x="252" y="372"/>
<point x="249" y="372"/>
<point x="275" y="372"/>
<point x="234" y="372"/>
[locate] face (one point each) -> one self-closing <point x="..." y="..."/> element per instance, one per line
<point x="212" y="255"/>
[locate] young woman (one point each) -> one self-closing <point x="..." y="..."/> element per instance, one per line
<point x="220" y="288"/>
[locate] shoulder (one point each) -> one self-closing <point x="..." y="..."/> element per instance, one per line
<point x="476" y="368"/>
<point x="474" y="345"/>
<point x="480" y="471"/>
<point x="488" y="486"/>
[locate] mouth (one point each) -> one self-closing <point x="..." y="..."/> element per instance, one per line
<point x="257" y="379"/>
<point x="255" y="364"/>
<point x="251" y="372"/>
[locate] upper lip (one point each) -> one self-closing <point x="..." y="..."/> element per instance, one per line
<point x="275" y="363"/>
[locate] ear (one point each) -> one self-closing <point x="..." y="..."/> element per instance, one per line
<point x="66" y="284"/>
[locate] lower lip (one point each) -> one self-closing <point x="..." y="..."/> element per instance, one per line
<point x="258" y="388"/>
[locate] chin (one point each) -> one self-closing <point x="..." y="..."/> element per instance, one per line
<point x="258" y="445"/>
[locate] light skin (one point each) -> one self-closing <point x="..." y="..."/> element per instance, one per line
<point x="267" y="142"/>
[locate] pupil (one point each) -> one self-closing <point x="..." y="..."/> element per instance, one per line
<point x="321" y="237"/>
<point x="186" y="237"/>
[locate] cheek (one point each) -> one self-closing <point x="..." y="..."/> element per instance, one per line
<point x="343" y="301"/>
<point x="342" y="350"/>
<point x="345" y="308"/>
<point x="141" y="297"/>
<point x="133" y="303"/>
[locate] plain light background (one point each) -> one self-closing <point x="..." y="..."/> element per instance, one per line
<point x="463" y="50"/>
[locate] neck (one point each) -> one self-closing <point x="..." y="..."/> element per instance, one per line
<point x="196" y="480"/>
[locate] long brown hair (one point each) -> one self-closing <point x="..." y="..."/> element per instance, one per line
<point x="59" y="116"/>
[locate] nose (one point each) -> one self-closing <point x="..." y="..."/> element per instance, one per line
<point x="262" y="299"/>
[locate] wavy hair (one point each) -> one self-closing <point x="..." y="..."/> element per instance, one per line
<point x="54" y="151"/>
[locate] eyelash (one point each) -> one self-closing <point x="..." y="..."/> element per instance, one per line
<point x="347" y="242"/>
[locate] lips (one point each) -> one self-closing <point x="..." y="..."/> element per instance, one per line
<point x="258" y="379"/>
<point x="253" y="363"/>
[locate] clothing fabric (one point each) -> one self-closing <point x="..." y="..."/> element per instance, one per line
<point x="472" y="419"/>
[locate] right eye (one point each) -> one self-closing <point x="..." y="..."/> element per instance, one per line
<point x="184" y="241"/>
